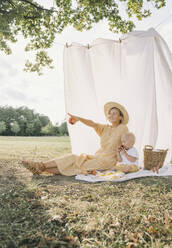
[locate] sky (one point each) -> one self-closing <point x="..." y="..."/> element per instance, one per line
<point x="45" y="94"/>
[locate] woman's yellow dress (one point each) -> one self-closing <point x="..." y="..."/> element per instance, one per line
<point x="104" y="159"/>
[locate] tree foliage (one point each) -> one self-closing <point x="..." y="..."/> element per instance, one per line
<point x="63" y="129"/>
<point x="2" y="127"/>
<point x="48" y="130"/>
<point x="15" y="128"/>
<point x="23" y="121"/>
<point x="40" y="25"/>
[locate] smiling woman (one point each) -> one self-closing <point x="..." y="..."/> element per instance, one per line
<point x="105" y="158"/>
<point x="114" y="114"/>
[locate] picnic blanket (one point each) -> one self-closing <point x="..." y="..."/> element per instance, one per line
<point x="112" y="176"/>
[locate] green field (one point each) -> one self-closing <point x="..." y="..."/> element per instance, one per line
<point x="33" y="147"/>
<point x="58" y="211"/>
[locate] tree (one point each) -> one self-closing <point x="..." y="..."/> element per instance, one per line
<point x="63" y="130"/>
<point x="37" y="127"/>
<point x="29" y="129"/>
<point x="15" y="128"/>
<point x="56" y="129"/>
<point x="30" y="123"/>
<point x="2" y="127"/>
<point x="40" y="25"/>
<point x="48" y="129"/>
<point x="22" y="121"/>
<point x="8" y="115"/>
<point x="44" y="120"/>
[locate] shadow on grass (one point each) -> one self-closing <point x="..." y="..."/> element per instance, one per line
<point x="69" y="180"/>
<point x="23" y="218"/>
<point x="57" y="180"/>
<point x="45" y="179"/>
<point x="44" y="211"/>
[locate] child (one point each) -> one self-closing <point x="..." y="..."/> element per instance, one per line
<point x="127" y="155"/>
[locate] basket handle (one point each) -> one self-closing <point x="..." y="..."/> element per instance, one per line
<point x="148" y="147"/>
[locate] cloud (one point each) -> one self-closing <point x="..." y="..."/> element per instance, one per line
<point x="14" y="94"/>
<point x="8" y="67"/>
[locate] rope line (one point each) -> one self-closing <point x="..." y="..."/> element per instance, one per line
<point x="163" y="21"/>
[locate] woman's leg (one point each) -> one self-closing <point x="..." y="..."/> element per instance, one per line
<point x="50" y="164"/>
<point x="38" y="167"/>
<point x="64" y="165"/>
<point x="51" y="167"/>
<point x="52" y="170"/>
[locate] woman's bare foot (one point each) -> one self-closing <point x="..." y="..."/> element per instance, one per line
<point x="34" y="167"/>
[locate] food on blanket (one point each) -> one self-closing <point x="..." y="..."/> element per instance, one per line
<point x="114" y="178"/>
<point x="101" y="174"/>
<point x="116" y="175"/>
<point x="94" y="172"/>
<point x="110" y="175"/>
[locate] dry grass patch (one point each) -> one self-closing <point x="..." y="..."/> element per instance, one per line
<point x="58" y="211"/>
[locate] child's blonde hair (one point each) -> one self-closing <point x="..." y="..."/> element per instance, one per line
<point x="129" y="136"/>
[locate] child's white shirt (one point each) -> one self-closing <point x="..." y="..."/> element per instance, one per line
<point x="132" y="152"/>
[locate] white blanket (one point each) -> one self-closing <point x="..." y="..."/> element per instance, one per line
<point x="164" y="171"/>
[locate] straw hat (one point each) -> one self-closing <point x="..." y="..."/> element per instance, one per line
<point x="109" y="105"/>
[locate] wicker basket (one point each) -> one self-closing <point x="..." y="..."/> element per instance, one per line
<point x="153" y="158"/>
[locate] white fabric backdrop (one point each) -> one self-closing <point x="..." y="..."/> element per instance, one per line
<point x="137" y="73"/>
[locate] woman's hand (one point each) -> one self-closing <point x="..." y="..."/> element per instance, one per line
<point x="73" y="119"/>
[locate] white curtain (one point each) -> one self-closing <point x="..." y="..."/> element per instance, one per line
<point x="136" y="72"/>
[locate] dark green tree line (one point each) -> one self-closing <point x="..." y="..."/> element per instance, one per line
<point x="23" y="121"/>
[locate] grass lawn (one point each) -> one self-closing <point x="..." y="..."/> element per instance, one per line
<point x="58" y="211"/>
